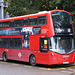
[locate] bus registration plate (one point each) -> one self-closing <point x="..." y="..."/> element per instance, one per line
<point x="65" y="62"/>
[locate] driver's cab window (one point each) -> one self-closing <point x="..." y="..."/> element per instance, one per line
<point x="44" y="44"/>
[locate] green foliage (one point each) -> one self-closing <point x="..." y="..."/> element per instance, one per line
<point x="23" y="7"/>
<point x="16" y="7"/>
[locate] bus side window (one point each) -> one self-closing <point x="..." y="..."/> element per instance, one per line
<point x="42" y="20"/>
<point x="5" y="43"/>
<point x="18" y="23"/>
<point x="1" y="43"/>
<point x="17" y="43"/>
<point x="5" y="24"/>
<point x="33" y="21"/>
<point x="25" y="22"/>
<point x="43" y="44"/>
<point x="11" y="23"/>
<point x="11" y="43"/>
<point x="1" y="24"/>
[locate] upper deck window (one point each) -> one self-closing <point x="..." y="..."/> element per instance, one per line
<point x="42" y="20"/>
<point x="4" y="24"/>
<point x="1" y="24"/>
<point x="18" y="23"/>
<point x="62" y="22"/>
<point x="33" y="21"/>
<point x="61" y="19"/>
<point x="25" y="22"/>
<point x="11" y="23"/>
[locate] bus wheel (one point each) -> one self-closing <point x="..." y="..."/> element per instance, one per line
<point x="32" y="60"/>
<point x="4" y="57"/>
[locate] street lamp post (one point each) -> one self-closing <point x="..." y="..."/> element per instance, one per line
<point x="2" y="9"/>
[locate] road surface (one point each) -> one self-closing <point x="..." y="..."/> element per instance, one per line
<point x="22" y="68"/>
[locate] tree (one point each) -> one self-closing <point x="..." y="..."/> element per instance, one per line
<point x="23" y="7"/>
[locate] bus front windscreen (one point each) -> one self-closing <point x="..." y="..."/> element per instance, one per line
<point x="62" y="23"/>
<point x="62" y="45"/>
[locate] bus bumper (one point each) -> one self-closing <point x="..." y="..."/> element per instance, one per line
<point x="55" y="58"/>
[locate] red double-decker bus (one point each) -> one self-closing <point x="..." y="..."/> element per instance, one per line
<point x="41" y="38"/>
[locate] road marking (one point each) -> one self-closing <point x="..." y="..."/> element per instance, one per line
<point x="73" y="71"/>
<point x="56" y="69"/>
<point x="73" y="66"/>
<point x="62" y="68"/>
<point x="49" y="69"/>
<point x="4" y="62"/>
<point x="70" y="67"/>
<point x="27" y="66"/>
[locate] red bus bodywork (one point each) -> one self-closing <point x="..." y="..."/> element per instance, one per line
<point x="23" y="54"/>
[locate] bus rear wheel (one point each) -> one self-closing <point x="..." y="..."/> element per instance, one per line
<point x="4" y="57"/>
<point x="32" y="60"/>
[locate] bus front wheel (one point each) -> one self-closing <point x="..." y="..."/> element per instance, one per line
<point x="32" y="60"/>
<point x="4" y="57"/>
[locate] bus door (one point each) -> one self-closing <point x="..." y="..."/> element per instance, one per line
<point x="43" y="54"/>
<point x="44" y="44"/>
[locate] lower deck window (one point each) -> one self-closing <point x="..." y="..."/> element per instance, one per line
<point x="62" y="45"/>
<point x="13" y="43"/>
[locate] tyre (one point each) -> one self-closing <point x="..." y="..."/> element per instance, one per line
<point x="4" y="57"/>
<point x="32" y="60"/>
